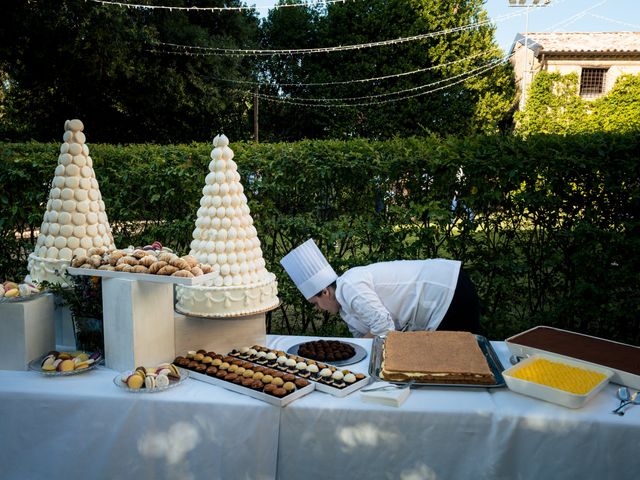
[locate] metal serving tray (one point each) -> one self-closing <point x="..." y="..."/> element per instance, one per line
<point x="375" y="365"/>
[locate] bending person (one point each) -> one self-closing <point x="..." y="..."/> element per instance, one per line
<point x="399" y="295"/>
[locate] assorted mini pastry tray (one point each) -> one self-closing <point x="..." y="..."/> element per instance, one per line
<point x="245" y="377"/>
<point x="327" y="378"/>
<point x="377" y="351"/>
<point x="151" y="380"/>
<point x="56" y="364"/>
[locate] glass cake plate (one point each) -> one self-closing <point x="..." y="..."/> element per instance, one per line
<point x="375" y="365"/>
<point x="173" y="382"/>
<point x="360" y="355"/>
<point x="36" y="366"/>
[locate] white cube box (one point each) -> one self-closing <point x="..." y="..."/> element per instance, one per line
<point x="220" y="335"/>
<point x="138" y="323"/>
<point x="27" y="331"/>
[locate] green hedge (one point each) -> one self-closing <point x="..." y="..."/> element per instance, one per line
<point x="547" y="227"/>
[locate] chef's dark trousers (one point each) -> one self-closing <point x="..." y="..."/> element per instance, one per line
<point x="464" y="311"/>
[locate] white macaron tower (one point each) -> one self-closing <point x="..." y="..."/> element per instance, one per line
<point x="225" y="238"/>
<point x="75" y="221"/>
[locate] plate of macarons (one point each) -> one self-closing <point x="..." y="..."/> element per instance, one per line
<point x="56" y="364"/>
<point x="151" y="379"/>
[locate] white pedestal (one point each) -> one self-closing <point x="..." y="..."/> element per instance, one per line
<point x="27" y="330"/>
<point x="220" y="335"/>
<point x="65" y="338"/>
<point x="138" y="323"/>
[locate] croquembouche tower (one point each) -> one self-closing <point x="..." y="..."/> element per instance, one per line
<point x="75" y="220"/>
<point x="225" y="238"/>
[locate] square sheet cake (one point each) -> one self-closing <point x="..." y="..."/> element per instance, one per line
<point x="435" y="357"/>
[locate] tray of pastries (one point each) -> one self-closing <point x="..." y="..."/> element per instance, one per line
<point x="160" y="266"/>
<point x="242" y="376"/>
<point x="327" y="378"/>
<point x="438" y="358"/>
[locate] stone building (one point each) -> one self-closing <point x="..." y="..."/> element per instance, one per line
<point x="598" y="58"/>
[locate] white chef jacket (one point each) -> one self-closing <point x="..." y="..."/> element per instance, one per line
<point x="399" y="295"/>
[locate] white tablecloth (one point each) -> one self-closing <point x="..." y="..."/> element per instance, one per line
<point x="455" y="433"/>
<point x="83" y="426"/>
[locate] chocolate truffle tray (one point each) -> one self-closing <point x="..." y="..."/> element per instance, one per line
<point x="359" y="354"/>
<point x="621" y="358"/>
<point x="242" y="376"/>
<point x="375" y="366"/>
<point x="257" y="394"/>
<point x="326" y="377"/>
<point x="144" y="277"/>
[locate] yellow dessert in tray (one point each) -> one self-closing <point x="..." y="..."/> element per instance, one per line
<point x="564" y="377"/>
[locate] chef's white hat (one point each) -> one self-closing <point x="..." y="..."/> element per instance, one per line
<point x="308" y="268"/>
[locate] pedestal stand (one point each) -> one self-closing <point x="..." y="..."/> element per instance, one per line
<point x="220" y="335"/>
<point x="27" y="330"/>
<point x="138" y="323"/>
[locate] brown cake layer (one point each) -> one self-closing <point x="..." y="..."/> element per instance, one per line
<point x="582" y="347"/>
<point x="435" y="357"/>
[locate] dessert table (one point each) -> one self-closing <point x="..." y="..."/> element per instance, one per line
<point x="83" y="425"/>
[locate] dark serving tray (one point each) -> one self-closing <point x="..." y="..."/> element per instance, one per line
<point x="492" y="359"/>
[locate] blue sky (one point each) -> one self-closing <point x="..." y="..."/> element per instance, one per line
<point x="564" y="16"/>
<point x="558" y="16"/>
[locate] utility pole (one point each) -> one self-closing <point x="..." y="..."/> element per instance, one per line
<point x="525" y="63"/>
<point x="255" y="115"/>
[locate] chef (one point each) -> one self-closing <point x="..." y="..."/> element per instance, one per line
<point x="374" y="299"/>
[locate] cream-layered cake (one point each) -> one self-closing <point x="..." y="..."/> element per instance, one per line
<point x="435" y="357"/>
<point x="226" y="239"/>
<point x="75" y="220"/>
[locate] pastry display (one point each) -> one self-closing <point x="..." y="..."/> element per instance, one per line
<point x="65" y="363"/>
<point x="323" y="374"/>
<point x="15" y="291"/>
<point x="225" y="239"/>
<point x="326" y="350"/>
<point x="150" y="379"/>
<point x="75" y="219"/>
<point x="248" y="377"/>
<point x="435" y="357"/>
<point x="142" y="260"/>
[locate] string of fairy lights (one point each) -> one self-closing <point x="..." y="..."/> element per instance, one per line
<point x="239" y="8"/>
<point x="362" y="80"/>
<point x="180" y="49"/>
<point x="168" y="48"/>
<point x="322" y="104"/>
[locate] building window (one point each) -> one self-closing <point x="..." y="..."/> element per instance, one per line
<point x="592" y="82"/>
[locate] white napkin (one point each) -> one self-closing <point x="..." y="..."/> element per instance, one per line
<point x="393" y="397"/>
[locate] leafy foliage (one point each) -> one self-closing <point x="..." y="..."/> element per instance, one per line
<point x="77" y="59"/>
<point x="555" y="106"/>
<point x="547" y="226"/>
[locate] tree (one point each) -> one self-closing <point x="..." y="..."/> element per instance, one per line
<point x="103" y="64"/>
<point x="436" y="105"/>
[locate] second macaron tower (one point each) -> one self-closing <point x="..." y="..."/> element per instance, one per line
<point x="226" y="239"/>
<point x="75" y="222"/>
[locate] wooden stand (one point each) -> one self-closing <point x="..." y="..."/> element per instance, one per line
<point x="27" y="331"/>
<point x="138" y="323"/>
